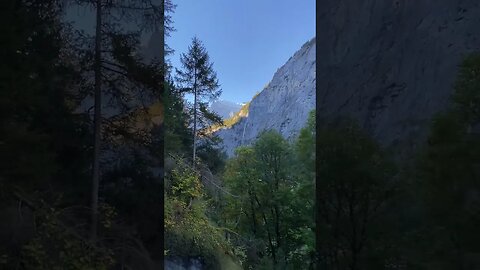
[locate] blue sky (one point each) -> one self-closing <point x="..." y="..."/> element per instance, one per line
<point x="247" y="40"/>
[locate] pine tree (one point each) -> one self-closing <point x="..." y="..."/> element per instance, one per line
<point x="36" y="72"/>
<point x="198" y="78"/>
<point x="115" y="64"/>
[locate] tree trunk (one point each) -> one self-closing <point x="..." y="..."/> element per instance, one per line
<point x="162" y="148"/>
<point x="194" y="117"/>
<point x="277" y="228"/>
<point x="97" y="123"/>
<point x="276" y="211"/>
<point x="252" y="206"/>
<point x="254" y="221"/>
<point x="162" y="37"/>
<point x="270" y="242"/>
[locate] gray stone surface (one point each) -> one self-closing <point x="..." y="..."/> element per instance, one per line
<point x="283" y="105"/>
<point x="225" y="108"/>
<point x="392" y="63"/>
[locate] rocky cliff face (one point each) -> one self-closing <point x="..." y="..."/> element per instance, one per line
<point x="283" y="105"/>
<point x="391" y="64"/>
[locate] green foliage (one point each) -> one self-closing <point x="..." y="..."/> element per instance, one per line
<point x="447" y="174"/>
<point x="306" y="139"/>
<point x="210" y="154"/>
<point x="275" y="203"/>
<point x="46" y="145"/>
<point x="432" y="221"/>
<point x="466" y="97"/>
<point x="178" y="135"/>
<point x="185" y="185"/>
<point x="356" y="181"/>
<point x="56" y="246"/>
<point x="198" y="78"/>
<point x="37" y="140"/>
<point x="188" y="230"/>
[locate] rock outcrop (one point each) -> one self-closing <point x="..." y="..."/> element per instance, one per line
<point x="392" y="64"/>
<point x="283" y="105"/>
<point x="225" y="108"/>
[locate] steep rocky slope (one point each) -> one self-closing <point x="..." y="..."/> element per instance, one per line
<point x="283" y="105"/>
<point x="225" y="108"/>
<point x="391" y="64"/>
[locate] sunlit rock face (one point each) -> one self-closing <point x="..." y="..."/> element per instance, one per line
<point x="283" y="105"/>
<point x="392" y="64"/>
<point x="224" y="108"/>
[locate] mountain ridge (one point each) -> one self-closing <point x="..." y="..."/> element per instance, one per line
<point x="283" y="105"/>
<point x="225" y="108"/>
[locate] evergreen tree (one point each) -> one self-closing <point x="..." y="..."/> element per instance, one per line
<point x="197" y="77"/>
<point x="178" y="135"/>
<point x="44" y="149"/>
<point x="38" y="140"/>
<point x="115" y="58"/>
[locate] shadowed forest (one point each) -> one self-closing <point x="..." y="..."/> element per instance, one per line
<point x="81" y="140"/>
<point x="378" y="211"/>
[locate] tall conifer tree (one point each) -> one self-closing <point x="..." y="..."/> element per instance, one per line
<point x="197" y="77"/>
<point x="113" y="53"/>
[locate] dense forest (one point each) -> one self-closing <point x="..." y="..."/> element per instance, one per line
<point x="80" y="188"/>
<point x="137" y="178"/>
